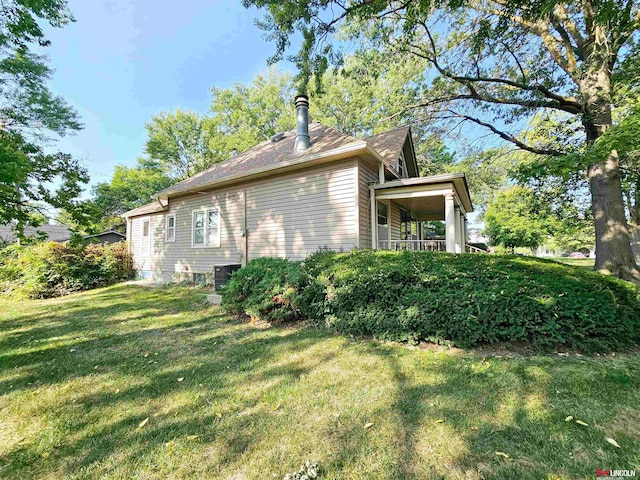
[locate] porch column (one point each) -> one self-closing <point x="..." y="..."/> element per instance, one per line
<point x="458" y="217"/>
<point x="450" y="223"/>
<point x="466" y="230"/>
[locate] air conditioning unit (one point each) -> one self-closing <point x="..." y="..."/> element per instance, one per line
<point x="223" y="274"/>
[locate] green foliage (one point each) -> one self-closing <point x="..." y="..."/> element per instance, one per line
<point x="489" y="172"/>
<point x="266" y="288"/>
<point x="247" y="114"/>
<point x="26" y="104"/>
<point x="129" y="188"/>
<point x="26" y="175"/>
<point x="459" y="299"/>
<point x="178" y="142"/>
<point x="470" y="299"/>
<point x="30" y="113"/>
<point x="517" y="218"/>
<point x="52" y="269"/>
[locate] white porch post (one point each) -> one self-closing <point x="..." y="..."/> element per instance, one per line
<point x="463" y="241"/>
<point x="381" y="178"/>
<point x="374" y="219"/>
<point x="458" y="219"/>
<point x="466" y="230"/>
<point x="450" y="223"/>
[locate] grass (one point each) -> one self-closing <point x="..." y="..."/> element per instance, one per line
<point x="80" y="374"/>
<point x="584" y="263"/>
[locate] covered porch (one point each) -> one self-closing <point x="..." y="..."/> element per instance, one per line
<point x="399" y="209"/>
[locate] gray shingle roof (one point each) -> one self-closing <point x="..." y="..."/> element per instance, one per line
<point x="389" y="144"/>
<point x="152" y="207"/>
<point x="270" y="155"/>
<point x="265" y="155"/>
<point x="106" y="232"/>
<point x="56" y="233"/>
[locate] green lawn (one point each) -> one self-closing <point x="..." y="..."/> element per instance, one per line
<point x="126" y="382"/>
<point x="584" y="263"/>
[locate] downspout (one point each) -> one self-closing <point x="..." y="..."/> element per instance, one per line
<point x="245" y="234"/>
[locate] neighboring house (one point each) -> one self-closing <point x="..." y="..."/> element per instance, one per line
<point x="476" y="235"/>
<point x="108" y="236"/>
<point x="54" y="233"/>
<point x="300" y="191"/>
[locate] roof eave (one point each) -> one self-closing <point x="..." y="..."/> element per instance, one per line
<point x="136" y="211"/>
<point x="442" y="178"/>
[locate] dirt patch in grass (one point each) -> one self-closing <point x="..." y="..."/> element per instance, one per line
<point x="626" y="423"/>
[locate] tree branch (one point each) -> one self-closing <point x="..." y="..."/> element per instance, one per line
<point x="551" y="43"/>
<point x="569" y="105"/>
<point x="508" y="137"/>
<point x="563" y="17"/>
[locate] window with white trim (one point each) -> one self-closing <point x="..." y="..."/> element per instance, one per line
<point x="206" y="228"/>
<point x="170" y="228"/>
<point x="402" y="165"/>
<point x="383" y="218"/>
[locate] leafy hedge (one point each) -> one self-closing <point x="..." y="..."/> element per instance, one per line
<point x="462" y="299"/>
<point x="52" y="269"/>
<point x="267" y="288"/>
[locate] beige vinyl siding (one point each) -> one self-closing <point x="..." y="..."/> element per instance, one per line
<point x="289" y="216"/>
<point x="394" y="221"/>
<point x="366" y="176"/>
<point x="179" y="256"/>
<point x="135" y="239"/>
<point x="298" y="214"/>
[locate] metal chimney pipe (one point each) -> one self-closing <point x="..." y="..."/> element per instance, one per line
<point x="303" y="141"/>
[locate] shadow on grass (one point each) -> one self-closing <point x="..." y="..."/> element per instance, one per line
<point x="258" y="402"/>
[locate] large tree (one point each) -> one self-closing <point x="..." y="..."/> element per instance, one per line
<point x="249" y="113"/>
<point x="31" y="117"/>
<point x="516" y="217"/>
<point x="495" y="62"/>
<point x="128" y="188"/>
<point x="178" y="142"/>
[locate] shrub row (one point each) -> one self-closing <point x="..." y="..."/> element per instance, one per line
<point x="52" y="269"/>
<point x="462" y="299"/>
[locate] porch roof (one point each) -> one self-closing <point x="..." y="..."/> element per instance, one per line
<point x="412" y="185"/>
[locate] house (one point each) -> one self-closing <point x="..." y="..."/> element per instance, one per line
<point x="300" y="191"/>
<point x="108" y="236"/>
<point x="54" y="233"/>
<point x="476" y="235"/>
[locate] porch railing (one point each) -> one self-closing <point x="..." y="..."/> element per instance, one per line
<point x="422" y="245"/>
<point x="472" y="249"/>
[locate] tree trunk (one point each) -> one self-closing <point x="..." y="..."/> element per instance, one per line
<point x="613" y="240"/>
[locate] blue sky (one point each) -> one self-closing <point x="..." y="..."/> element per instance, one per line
<point x="124" y="60"/>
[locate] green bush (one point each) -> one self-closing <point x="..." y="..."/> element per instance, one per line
<point x="458" y="299"/>
<point x="52" y="269"/>
<point x="267" y="288"/>
<point x="470" y="299"/>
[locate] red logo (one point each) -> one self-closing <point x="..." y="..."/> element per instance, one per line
<point x="602" y="473"/>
